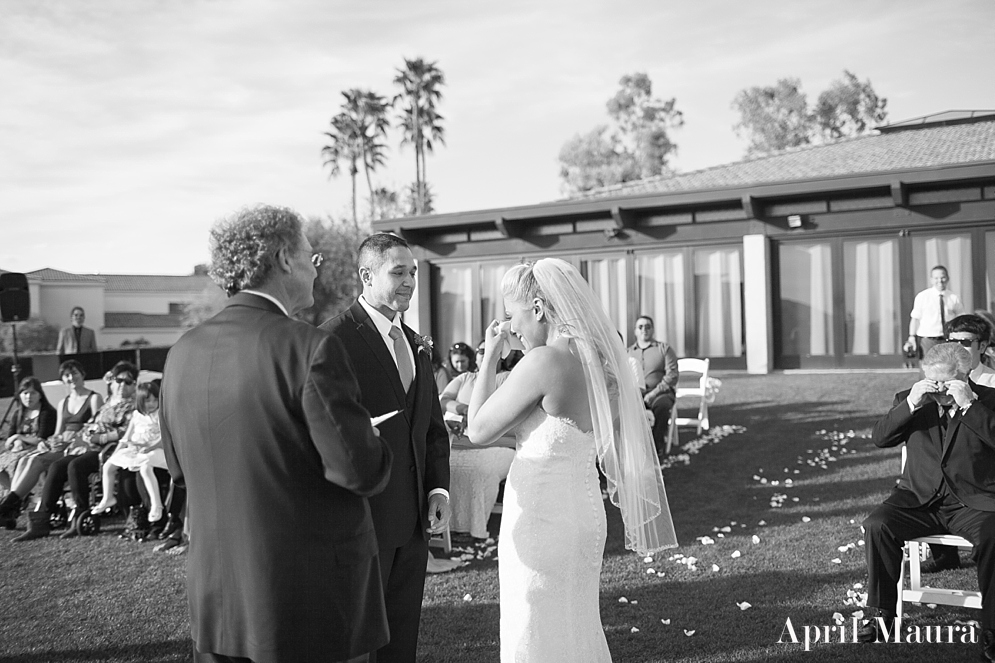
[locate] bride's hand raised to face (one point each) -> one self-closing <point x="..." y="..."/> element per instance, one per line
<point x="495" y="338"/>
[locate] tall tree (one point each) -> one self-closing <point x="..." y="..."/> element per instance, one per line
<point x="358" y="134"/>
<point x="644" y="123"/>
<point x="420" y="198"/>
<point x="776" y="118"/>
<point x="387" y="204"/>
<point x="342" y="147"/>
<point x="773" y="117"/>
<point x="596" y="159"/>
<point x="849" y="108"/>
<point x="421" y="84"/>
<point x="636" y="144"/>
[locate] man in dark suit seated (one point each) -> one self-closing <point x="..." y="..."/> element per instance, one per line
<point x="948" y="484"/>
<point x="261" y="422"/>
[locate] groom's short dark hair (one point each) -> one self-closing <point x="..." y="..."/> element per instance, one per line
<point x="373" y="251"/>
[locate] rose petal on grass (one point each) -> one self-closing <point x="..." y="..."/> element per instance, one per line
<point x="838" y="618"/>
<point x="836" y="560"/>
<point x="806" y="519"/>
<point x="756" y="539"/>
<point x="665" y="622"/>
<point x="688" y="633"/>
<point x="715" y="568"/>
<point x="735" y="554"/>
<point x="467" y="597"/>
<point x="622" y="599"/>
<point x="744" y="605"/>
<point x="633" y="630"/>
<point x="859" y="614"/>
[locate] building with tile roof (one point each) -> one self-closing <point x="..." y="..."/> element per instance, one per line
<point x="809" y="258"/>
<point x="121" y="308"/>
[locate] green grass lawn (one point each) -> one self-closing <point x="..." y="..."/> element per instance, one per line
<point x="104" y="599"/>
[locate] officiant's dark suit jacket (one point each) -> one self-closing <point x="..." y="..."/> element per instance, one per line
<point x="964" y="455"/>
<point x="418" y="436"/>
<point x="261" y="420"/>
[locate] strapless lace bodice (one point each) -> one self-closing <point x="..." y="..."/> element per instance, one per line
<point x="552" y="540"/>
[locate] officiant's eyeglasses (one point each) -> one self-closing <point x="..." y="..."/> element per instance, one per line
<point x="317" y="259"/>
<point x="966" y="342"/>
<point x="124" y="380"/>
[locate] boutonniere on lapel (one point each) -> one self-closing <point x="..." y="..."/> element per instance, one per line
<point x="425" y="344"/>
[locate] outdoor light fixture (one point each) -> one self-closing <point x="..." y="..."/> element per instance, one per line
<point x="795" y="221"/>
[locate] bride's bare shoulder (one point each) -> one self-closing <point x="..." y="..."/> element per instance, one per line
<point x="546" y="362"/>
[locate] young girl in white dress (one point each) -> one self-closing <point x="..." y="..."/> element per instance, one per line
<point x="140" y="450"/>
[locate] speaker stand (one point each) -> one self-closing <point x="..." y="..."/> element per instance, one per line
<point x="16" y="370"/>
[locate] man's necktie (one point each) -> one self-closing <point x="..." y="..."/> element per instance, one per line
<point x="404" y="367"/>
<point x="943" y="317"/>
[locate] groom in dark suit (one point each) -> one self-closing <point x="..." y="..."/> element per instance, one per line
<point x="261" y="421"/>
<point x="947" y="424"/>
<point x="394" y="369"/>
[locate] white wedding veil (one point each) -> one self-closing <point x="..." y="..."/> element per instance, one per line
<point x="625" y="447"/>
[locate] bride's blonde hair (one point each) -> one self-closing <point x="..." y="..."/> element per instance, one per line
<point x="519" y="284"/>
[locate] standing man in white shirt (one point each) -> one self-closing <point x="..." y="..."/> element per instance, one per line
<point x="932" y="309"/>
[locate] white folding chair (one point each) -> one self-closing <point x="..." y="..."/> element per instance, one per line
<point x="685" y="367"/>
<point x="915" y="550"/>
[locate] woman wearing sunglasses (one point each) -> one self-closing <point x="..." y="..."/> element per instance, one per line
<point x="82" y="456"/>
<point x="73" y="411"/>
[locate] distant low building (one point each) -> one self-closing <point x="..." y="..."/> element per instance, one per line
<point x="810" y="258"/>
<point x="123" y="309"/>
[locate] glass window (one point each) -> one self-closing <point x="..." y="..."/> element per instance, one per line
<point x="455" y="305"/>
<point x="954" y="253"/>
<point x="718" y="301"/>
<point x="873" y="324"/>
<point x="660" y="293"/>
<point x="491" y="299"/>
<point x="806" y="299"/>
<point x="606" y="276"/>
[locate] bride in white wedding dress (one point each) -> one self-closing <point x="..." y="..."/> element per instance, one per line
<point x="571" y="402"/>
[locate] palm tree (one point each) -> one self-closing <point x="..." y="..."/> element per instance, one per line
<point x="421" y="82"/>
<point x="343" y="147"/>
<point x="368" y="111"/>
<point x="359" y="132"/>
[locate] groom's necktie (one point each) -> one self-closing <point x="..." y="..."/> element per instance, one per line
<point x="943" y="317"/>
<point x="404" y="367"/>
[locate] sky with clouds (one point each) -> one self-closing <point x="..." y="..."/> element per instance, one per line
<point x="128" y="126"/>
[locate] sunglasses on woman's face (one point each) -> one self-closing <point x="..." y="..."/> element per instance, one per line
<point x="124" y="380"/>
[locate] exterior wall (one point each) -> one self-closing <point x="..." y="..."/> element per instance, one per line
<point x="158" y="337"/>
<point x="868" y="240"/>
<point x="145" y="302"/>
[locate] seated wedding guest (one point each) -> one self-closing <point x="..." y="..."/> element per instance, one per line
<point x="76" y="338"/>
<point x="82" y="456"/>
<point x="988" y="358"/>
<point x="140" y="450"/>
<point x="442" y="376"/>
<point x="72" y="413"/>
<point x="658" y="362"/>
<point x="947" y="484"/>
<point x="461" y="359"/>
<point x="971" y="331"/>
<point x="33" y="420"/>
<point x="173" y="533"/>
<point x="476" y="472"/>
